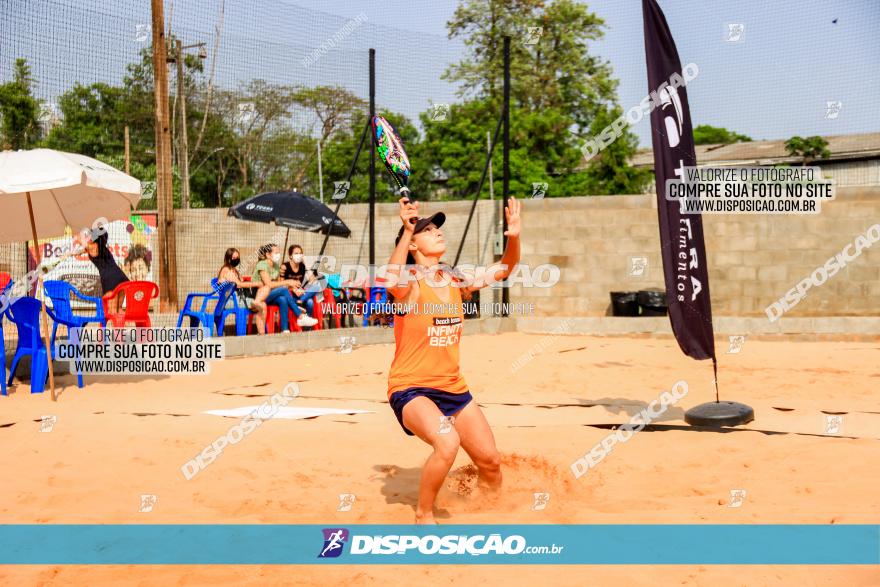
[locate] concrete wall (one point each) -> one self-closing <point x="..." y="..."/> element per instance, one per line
<point x="753" y="259"/>
<point x="864" y="172"/>
<point x="204" y="235"/>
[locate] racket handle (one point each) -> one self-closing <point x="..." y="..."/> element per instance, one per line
<point x="406" y="193"/>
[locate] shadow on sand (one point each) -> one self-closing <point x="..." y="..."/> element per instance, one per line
<point x="401" y="485"/>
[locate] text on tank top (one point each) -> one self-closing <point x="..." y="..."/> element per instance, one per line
<point x="426" y="343"/>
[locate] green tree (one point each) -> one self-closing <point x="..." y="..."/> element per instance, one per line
<point x="561" y="90"/>
<point x="19" y="110"/>
<point x="333" y="109"/>
<point x="550" y="55"/>
<point x="455" y="148"/>
<point x="808" y="149"/>
<point x="339" y="153"/>
<point x="93" y="118"/>
<point x="610" y="171"/>
<point x="213" y="169"/>
<point x="211" y="161"/>
<point x="705" y="134"/>
<point x="146" y="173"/>
<point x="256" y="113"/>
<point x="275" y="130"/>
<point x="139" y="108"/>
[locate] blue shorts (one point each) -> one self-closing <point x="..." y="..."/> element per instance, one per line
<point x="449" y="404"/>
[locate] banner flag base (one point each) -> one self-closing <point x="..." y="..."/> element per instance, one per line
<point x="717" y="414"/>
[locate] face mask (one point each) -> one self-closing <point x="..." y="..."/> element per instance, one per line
<point x="276" y="258"/>
<point x="235" y="262"/>
<point x="297" y="258"/>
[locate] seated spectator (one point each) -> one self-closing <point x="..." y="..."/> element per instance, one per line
<point x="108" y="271"/>
<point x="267" y="273"/>
<point x="254" y="303"/>
<point x="137" y="263"/>
<point x="101" y="257"/>
<point x="308" y="287"/>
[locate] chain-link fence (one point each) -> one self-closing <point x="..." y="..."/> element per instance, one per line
<point x="263" y="96"/>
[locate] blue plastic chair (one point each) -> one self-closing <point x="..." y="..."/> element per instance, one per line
<point x="378" y="297"/>
<point x="222" y="311"/>
<point x="5" y="285"/>
<point x="59" y="320"/>
<point x="25" y="314"/>
<point x="334" y="280"/>
<point x="3" y="303"/>
<point x="59" y="292"/>
<point x="200" y="318"/>
<point x="339" y="313"/>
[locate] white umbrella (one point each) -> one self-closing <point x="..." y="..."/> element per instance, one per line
<point x="65" y="190"/>
<point x="55" y="190"/>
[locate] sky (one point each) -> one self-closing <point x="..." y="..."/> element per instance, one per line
<point x="773" y="83"/>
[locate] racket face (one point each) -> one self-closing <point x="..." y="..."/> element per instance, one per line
<point x="390" y="149"/>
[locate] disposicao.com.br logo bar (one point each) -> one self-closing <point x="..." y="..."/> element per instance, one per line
<point x="503" y="544"/>
<point x="440" y="543"/>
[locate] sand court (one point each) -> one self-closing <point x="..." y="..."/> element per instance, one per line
<point x="124" y="437"/>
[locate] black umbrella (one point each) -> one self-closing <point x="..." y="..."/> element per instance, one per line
<point x="292" y="210"/>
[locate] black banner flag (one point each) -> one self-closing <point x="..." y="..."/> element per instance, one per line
<point x="681" y="235"/>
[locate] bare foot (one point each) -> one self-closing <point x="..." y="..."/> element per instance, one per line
<point x="425" y="519"/>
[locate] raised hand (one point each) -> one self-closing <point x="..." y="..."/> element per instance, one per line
<point x="513" y="214"/>
<point x="409" y="212"/>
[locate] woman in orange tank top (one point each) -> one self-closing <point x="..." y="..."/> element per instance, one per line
<point x="426" y="389"/>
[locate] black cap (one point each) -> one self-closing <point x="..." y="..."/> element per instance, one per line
<point x="438" y="218"/>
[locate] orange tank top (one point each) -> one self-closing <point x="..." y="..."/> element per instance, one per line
<point x="426" y="343"/>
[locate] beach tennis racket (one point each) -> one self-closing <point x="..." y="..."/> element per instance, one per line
<point x="391" y="151"/>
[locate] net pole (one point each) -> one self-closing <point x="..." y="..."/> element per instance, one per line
<point x="479" y="189"/>
<point x="339" y="201"/>
<point x="505" y="292"/>
<point x="372" y="165"/>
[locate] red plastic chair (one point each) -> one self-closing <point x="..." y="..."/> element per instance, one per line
<point x="250" y="323"/>
<point x="332" y="306"/>
<point x="318" y="312"/>
<point x="291" y="320"/>
<point x="136" y="295"/>
<point x="273" y="317"/>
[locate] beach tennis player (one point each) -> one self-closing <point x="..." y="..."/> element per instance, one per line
<point x="426" y="389"/>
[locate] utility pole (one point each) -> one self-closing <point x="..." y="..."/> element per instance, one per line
<point x="127" y="153"/>
<point x="320" y="174"/>
<point x="183" y="152"/>
<point x="164" y="186"/>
